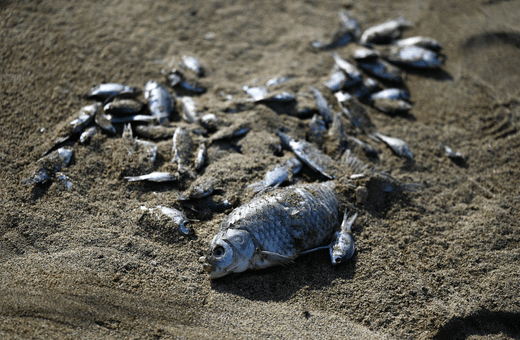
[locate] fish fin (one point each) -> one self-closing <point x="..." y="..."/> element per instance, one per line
<point x="277" y="258"/>
<point x="314" y="249"/>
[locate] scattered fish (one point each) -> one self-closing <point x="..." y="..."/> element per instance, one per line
<point x="382" y="70"/>
<point x="257" y="93"/>
<point x="193" y="64"/>
<point x="103" y="121"/>
<point x="279" y="175"/>
<point x="419" y="41"/>
<point x="176" y="79"/>
<point x="349" y="23"/>
<point x="385" y="32"/>
<point x="48" y="165"/>
<point x="209" y="121"/>
<point x="309" y="154"/>
<point x="366" y="54"/>
<point x="189" y="110"/>
<point x="340" y="37"/>
<point x="317" y="130"/>
<point x="398" y="146"/>
<point x="322" y="105"/>
<point x="353" y="73"/>
<point x="336" y="82"/>
<point x="182" y="149"/>
<point x="202" y="155"/>
<point x="160" y="101"/>
<point x="273" y="229"/>
<point x="123" y="107"/>
<point x="342" y="247"/>
<point x="134" y="118"/>
<point x="87" y="135"/>
<point x="336" y="137"/>
<point x="355" y="112"/>
<point x="457" y="156"/>
<point x="153" y="177"/>
<point x="391" y="101"/>
<point x="414" y="56"/>
<point x="102" y="92"/>
<point x="177" y="216"/>
<point x="366" y="88"/>
<point x="369" y="150"/>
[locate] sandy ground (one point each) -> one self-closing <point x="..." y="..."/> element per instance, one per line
<point x="89" y="263"/>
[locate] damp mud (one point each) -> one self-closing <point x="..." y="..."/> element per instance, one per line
<point x="86" y="260"/>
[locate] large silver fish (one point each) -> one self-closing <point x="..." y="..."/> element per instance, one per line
<point x="273" y="228"/>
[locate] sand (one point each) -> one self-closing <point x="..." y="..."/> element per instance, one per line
<point x="88" y="262"/>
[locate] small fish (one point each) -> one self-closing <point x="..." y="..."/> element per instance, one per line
<point x="391" y="101"/>
<point x="355" y="112"/>
<point x="209" y="204"/>
<point x="322" y="105"/>
<point x="309" y="154"/>
<point x="277" y="81"/>
<point x="160" y="101"/>
<point x="354" y="75"/>
<point x="366" y="54"/>
<point x="177" y="80"/>
<point x="48" y="165"/>
<point x="202" y="155"/>
<point x="123" y="107"/>
<point x="202" y="187"/>
<point x="419" y="41"/>
<point x="279" y="175"/>
<point x="336" y="137"/>
<point x="177" y="216"/>
<point x="382" y="70"/>
<point x="336" y="82"/>
<point x="155" y="131"/>
<point x="102" y="92"/>
<point x="368" y="86"/>
<point x="369" y="150"/>
<point x="87" y="135"/>
<point x="174" y="77"/>
<point x="414" y="56"/>
<point x="342" y="247"/>
<point x="317" y="130"/>
<point x="349" y="23"/>
<point x="397" y="145"/>
<point x="182" y="149"/>
<point x="340" y="37"/>
<point x="149" y="147"/>
<point x="103" y="121"/>
<point x="391" y="93"/>
<point x="234" y="130"/>
<point x="193" y="64"/>
<point x="189" y="110"/>
<point x="257" y="92"/>
<point x="273" y="229"/>
<point x="153" y="177"/>
<point x="457" y="156"/>
<point x="134" y="118"/>
<point x="209" y="121"/>
<point x="192" y="87"/>
<point x="385" y="32"/>
<point x="278" y="97"/>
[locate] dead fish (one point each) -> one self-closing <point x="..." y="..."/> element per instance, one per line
<point x="398" y="146"/>
<point x="382" y="70"/>
<point x="155" y="131"/>
<point x="391" y="101"/>
<point x="340" y="37"/>
<point x="414" y="56"/>
<point x="368" y="86"/>
<point x="336" y="82"/>
<point x="209" y="121"/>
<point x="355" y="112"/>
<point x="273" y="229"/>
<point x="317" y="130"/>
<point x="153" y="177"/>
<point x="354" y="75"/>
<point x="366" y="54"/>
<point x="63" y="180"/>
<point x="202" y="187"/>
<point x="103" y="121"/>
<point x="278" y="97"/>
<point x="234" y="130"/>
<point x="177" y="216"/>
<point x="257" y="92"/>
<point x="160" y="101"/>
<point x="134" y="118"/>
<point x="342" y="247"/>
<point x="369" y="150"/>
<point x="102" y="92"/>
<point x="336" y="137"/>
<point x="277" y="81"/>
<point x="355" y="165"/>
<point x="210" y="204"/>
<point x="182" y="149"/>
<point x="174" y="77"/>
<point x="322" y="105"/>
<point x="419" y="41"/>
<point x="202" y="155"/>
<point x="123" y="107"/>
<point x="177" y="80"/>
<point x="193" y="64"/>
<point x="87" y="135"/>
<point x="448" y="152"/>
<point x="349" y="23"/>
<point x="278" y="175"/>
<point x="309" y="154"/>
<point x="149" y="147"/>
<point x="385" y="32"/>
<point x="189" y="110"/>
<point x="48" y="165"/>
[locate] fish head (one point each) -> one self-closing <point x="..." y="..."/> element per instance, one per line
<point x="341" y="248"/>
<point x="230" y="252"/>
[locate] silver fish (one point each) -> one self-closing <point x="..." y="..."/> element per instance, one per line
<point x="193" y="64"/>
<point x="123" y="107"/>
<point x="160" y="101"/>
<point x="397" y="145"/>
<point x="177" y="80"/>
<point x="189" y="110"/>
<point x="385" y="32"/>
<point x="47" y="166"/>
<point x="182" y="149"/>
<point x="342" y="247"/>
<point x="340" y="37"/>
<point x="382" y="70"/>
<point x="336" y="137"/>
<point x="369" y="150"/>
<point x="209" y="121"/>
<point x="336" y="82"/>
<point x="153" y="177"/>
<point x="365" y="54"/>
<point x="309" y="154"/>
<point x="414" y="56"/>
<point x="134" y="118"/>
<point x="317" y="130"/>
<point x="277" y="81"/>
<point x="355" y="112"/>
<point x="177" y="216"/>
<point x="391" y="93"/>
<point x="257" y="93"/>
<point x="368" y="86"/>
<point x="87" y="135"/>
<point x="202" y="155"/>
<point x="391" y="101"/>
<point x="273" y="229"/>
<point x="451" y="154"/>
<point x="279" y="175"/>
<point x="103" y="121"/>
<point x="322" y="105"/>
<point x="353" y="73"/>
<point x="349" y="23"/>
<point x="102" y="92"/>
<point x="424" y="42"/>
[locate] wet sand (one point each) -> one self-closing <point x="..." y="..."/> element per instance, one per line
<point x="90" y="263"/>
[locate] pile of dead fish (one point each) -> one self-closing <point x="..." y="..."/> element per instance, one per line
<point x="146" y="113"/>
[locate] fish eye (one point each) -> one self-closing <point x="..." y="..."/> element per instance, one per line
<point x="337" y="260"/>
<point x="219" y="251"/>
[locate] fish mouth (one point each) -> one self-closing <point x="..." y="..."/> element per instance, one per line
<point x="207" y="268"/>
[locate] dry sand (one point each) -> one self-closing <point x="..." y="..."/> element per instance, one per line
<point x="88" y="263"/>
